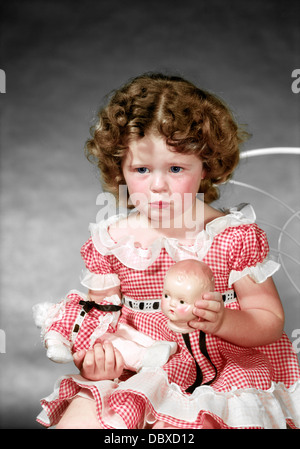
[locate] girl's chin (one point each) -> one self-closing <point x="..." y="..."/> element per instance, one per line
<point x="164" y="215"/>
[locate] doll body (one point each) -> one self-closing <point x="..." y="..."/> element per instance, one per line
<point x="184" y="283"/>
<point x="78" y="323"/>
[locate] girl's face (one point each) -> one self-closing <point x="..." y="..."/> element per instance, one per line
<point x="162" y="184"/>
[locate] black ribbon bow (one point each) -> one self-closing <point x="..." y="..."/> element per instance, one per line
<point x="89" y="305"/>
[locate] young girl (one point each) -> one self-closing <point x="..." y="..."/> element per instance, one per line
<point x="167" y="140"/>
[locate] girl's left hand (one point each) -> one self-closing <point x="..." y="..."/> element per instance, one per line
<point x="102" y="362"/>
<point x="210" y="313"/>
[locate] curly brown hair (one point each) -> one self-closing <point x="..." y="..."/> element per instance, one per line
<point x="192" y="120"/>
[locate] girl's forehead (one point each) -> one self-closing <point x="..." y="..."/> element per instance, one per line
<point x="155" y="149"/>
<point x="148" y="143"/>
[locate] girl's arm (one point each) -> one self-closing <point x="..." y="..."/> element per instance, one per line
<point x="259" y="322"/>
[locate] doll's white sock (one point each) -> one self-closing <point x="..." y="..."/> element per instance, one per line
<point x="59" y="353"/>
<point x="158" y="354"/>
<point x="57" y="350"/>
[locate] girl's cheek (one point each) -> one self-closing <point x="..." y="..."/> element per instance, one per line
<point x="137" y="192"/>
<point x="186" y="186"/>
<point x="137" y="187"/>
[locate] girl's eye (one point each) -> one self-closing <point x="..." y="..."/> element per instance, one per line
<point x="142" y="170"/>
<point x="175" y="169"/>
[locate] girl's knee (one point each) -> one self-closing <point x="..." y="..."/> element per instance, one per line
<point x="80" y="414"/>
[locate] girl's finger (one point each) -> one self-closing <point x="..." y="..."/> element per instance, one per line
<point x="204" y="305"/>
<point x="212" y="296"/>
<point x="196" y="324"/>
<point x="99" y="355"/>
<point x="109" y="356"/>
<point x="78" y="358"/>
<point x="89" y="360"/>
<point x="119" y="363"/>
<point x="207" y="315"/>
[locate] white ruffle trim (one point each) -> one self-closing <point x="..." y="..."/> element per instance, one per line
<point x="259" y="273"/>
<point x="238" y="408"/>
<point x="99" y="282"/>
<point x="140" y="259"/>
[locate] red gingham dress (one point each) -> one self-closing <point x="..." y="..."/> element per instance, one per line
<point x="239" y="387"/>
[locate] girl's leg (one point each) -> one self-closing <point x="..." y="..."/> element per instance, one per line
<point x="80" y="414"/>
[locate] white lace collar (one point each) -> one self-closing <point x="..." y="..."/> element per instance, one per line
<point x="139" y="259"/>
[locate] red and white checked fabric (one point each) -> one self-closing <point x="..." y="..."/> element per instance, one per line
<point x="249" y="381"/>
<point x="65" y="324"/>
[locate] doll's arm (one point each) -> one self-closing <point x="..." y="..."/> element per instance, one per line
<point x="259" y="322"/>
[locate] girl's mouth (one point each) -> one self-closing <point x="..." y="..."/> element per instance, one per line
<point x="159" y="204"/>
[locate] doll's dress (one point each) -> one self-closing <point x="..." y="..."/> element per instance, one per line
<point x="77" y="323"/>
<point x="239" y="387"/>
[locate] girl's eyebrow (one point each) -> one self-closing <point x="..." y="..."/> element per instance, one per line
<point x="135" y="164"/>
<point x="138" y="164"/>
<point x="178" y="163"/>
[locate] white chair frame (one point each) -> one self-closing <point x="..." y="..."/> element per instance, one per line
<point x="277" y="212"/>
<point x="292" y="213"/>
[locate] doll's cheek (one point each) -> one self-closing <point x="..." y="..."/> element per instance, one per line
<point x="184" y="309"/>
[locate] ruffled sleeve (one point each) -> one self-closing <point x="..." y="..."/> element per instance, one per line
<point x="248" y="255"/>
<point x="99" y="274"/>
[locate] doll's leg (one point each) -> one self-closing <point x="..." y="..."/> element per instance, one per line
<point x="131" y="351"/>
<point x="58" y="348"/>
<point x="57" y="321"/>
<point x="129" y="333"/>
<point x="140" y="350"/>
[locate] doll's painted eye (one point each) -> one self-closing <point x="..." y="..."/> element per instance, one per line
<point x="181" y="301"/>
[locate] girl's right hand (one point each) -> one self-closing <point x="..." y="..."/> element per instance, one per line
<point x="103" y="362"/>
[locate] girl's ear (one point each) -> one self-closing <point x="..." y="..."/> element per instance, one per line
<point x="203" y="175"/>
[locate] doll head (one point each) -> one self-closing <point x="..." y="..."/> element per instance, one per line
<point x="191" y="120"/>
<point x="184" y="283"/>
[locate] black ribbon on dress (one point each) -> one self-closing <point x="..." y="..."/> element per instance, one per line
<point x="89" y="305"/>
<point x="203" y="349"/>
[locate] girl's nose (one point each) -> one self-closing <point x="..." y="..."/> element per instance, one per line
<point x="158" y="183"/>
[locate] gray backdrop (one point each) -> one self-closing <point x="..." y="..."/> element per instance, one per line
<point x="60" y="59"/>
